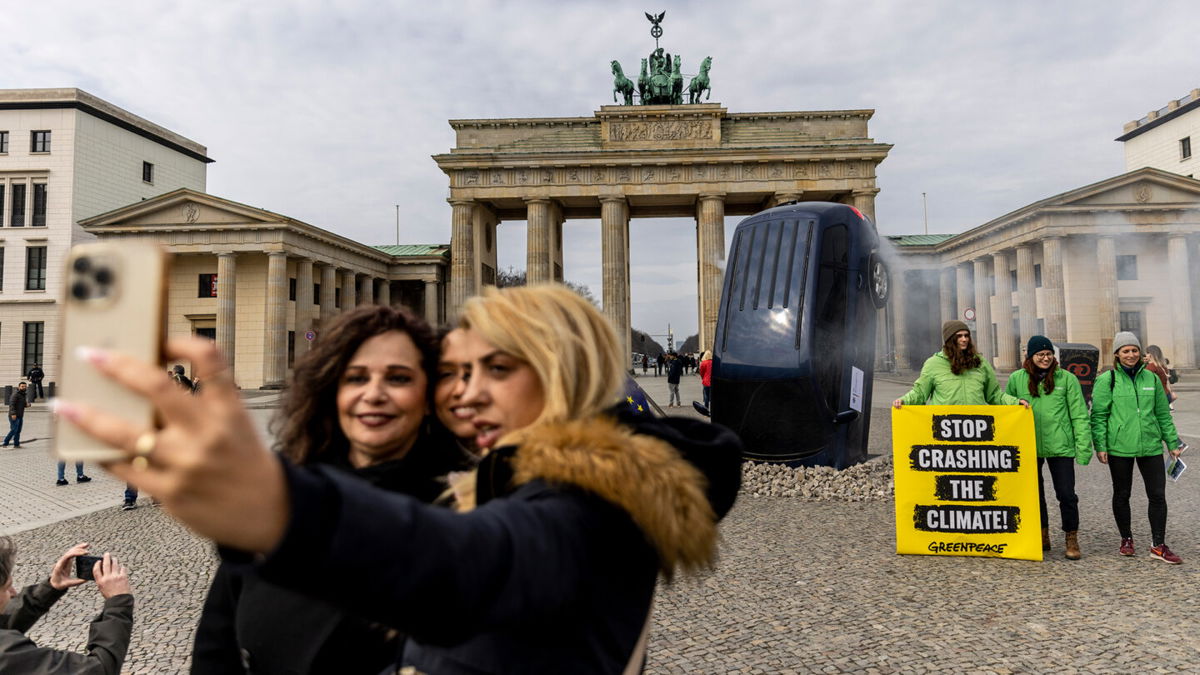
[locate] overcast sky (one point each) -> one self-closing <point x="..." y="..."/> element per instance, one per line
<point x="328" y="112"/>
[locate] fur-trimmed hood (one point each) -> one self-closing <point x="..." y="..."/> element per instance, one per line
<point x="646" y="477"/>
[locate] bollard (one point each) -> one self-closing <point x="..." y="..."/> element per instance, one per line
<point x="8" y="389"/>
<point x="50" y="390"/>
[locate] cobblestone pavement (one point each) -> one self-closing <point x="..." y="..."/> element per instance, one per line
<point x="800" y="587"/>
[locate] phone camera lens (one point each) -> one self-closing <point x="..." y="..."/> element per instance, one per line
<point x="82" y="264"/>
<point x="103" y="276"/>
<point x="80" y="290"/>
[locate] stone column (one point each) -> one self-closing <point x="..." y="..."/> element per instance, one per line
<point x="1026" y="293"/>
<point x="1106" y="282"/>
<point x="965" y="290"/>
<point x="1183" y="352"/>
<point x="947" y="295"/>
<point x="463" y="283"/>
<point x="431" y="303"/>
<point x="1006" y="340"/>
<point x="555" y="231"/>
<point x="1054" y="299"/>
<point x="710" y="256"/>
<point x="275" y="339"/>
<point x="227" y="306"/>
<point x="366" y="290"/>
<point x="983" y="310"/>
<point x="304" y="303"/>
<point x="348" y="295"/>
<point x="864" y="201"/>
<point x="537" y="251"/>
<point x="384" y="295"/>
<point x="614" y="238"/>
<point x="328" y="292"/>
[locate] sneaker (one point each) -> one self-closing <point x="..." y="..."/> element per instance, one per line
<point x="82" y="479"/>
<point x="62" y="481"/>
<point x="129" y="505"/>
<point x="1164" y="554"/>
<point x="1127" y="546"/>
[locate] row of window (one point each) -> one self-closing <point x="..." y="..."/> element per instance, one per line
<point x="39" y="141"/>
<point x="208" y="289"/>
<point x="16" y="211"/>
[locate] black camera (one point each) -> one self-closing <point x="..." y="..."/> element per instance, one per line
<point x="84" y="565"/>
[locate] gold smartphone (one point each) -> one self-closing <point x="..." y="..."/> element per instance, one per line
<point x="115" y="299"/>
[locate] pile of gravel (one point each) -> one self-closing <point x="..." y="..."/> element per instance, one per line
<point x="870" y="481"/>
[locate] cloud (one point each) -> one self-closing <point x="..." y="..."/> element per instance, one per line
<point x="329" y="111"/>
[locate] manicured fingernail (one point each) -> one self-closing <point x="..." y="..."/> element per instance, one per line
<point x="67" y="410"/>
<point x="92" y="355"/>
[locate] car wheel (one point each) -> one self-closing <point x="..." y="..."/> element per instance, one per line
<point x="879" y="281"/>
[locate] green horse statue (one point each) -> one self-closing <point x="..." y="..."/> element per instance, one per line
<point x="700" y="83"/>
<point x="621" y="84"/>
<point x="677" y="82"/>
<point x="643" y="84"/>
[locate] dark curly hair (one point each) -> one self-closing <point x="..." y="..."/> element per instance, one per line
<point x="961" y="360"/>
<point x="306" y="428"/>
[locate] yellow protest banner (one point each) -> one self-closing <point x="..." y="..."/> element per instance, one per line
<point x="966" y="481"/>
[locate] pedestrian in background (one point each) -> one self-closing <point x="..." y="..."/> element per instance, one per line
<point x="645" y="363"/>
<point x="957" y="375"/>
<point x="79" y="476"/>
<point x="1130" y="422"/>
<point x="1160" y="366"/>
<point x="16" y="416"/>
<point x="1064" y="436"/>
<point x="658" y="365"/>
<point x="674" y="370"/>
<point x="36" y="375"/>
<point x="706" y="377"/>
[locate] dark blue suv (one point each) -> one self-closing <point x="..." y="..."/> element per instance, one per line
<point x="794" y="349"/>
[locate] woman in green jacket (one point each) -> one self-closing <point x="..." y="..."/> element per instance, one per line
<point x="1060" y="418"/>
<point x="1130" y="422"/>
<point x="957" y="375"/>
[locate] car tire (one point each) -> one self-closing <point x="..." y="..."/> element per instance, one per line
<point x="879" y="281"/>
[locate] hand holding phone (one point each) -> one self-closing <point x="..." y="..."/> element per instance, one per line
<point x="115" y="300"/>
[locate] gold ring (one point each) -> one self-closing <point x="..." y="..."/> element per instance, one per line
<point x="140" y="463"/>
<point x="144" y="445"/>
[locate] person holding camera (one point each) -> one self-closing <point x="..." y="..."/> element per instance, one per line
<point x="108" y="637"/>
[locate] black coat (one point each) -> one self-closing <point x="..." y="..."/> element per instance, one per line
<point x="552" y="573"/>
<point x="252" y="626"/>
<point x="17" y="404"/>
<point x="674" y="370"/>
<point x="108" y="636"/>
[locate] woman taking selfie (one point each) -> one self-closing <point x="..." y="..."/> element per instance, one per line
<point x="1130" y="423"/>
<point x="358" y="403"/>
<point x="553" y="569"/>
<point x="957" y="375"/>
<point x="1060" y="418"/>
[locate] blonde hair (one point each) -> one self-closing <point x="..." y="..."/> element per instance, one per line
<point x="571" y="347"/>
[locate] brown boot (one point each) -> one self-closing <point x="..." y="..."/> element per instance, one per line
<point x="1045" y="539"/>
<point x="1073" y="552"/>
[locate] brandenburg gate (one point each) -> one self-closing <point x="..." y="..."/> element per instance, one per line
<point x="643" y="161"/>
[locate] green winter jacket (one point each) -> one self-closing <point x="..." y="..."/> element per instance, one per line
<point x="1131" y="417"/>
<point x="937" y="385"/>
<point x="1060" y="418"/>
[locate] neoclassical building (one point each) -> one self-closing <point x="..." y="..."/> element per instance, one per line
<point x="632" y="161"/>
<point x="66" y="155"/>
<point x="1119" y="254"/>
<point x="261" y="283"/>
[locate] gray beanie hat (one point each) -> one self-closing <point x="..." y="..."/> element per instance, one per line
<point x="1124" y="339"/>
